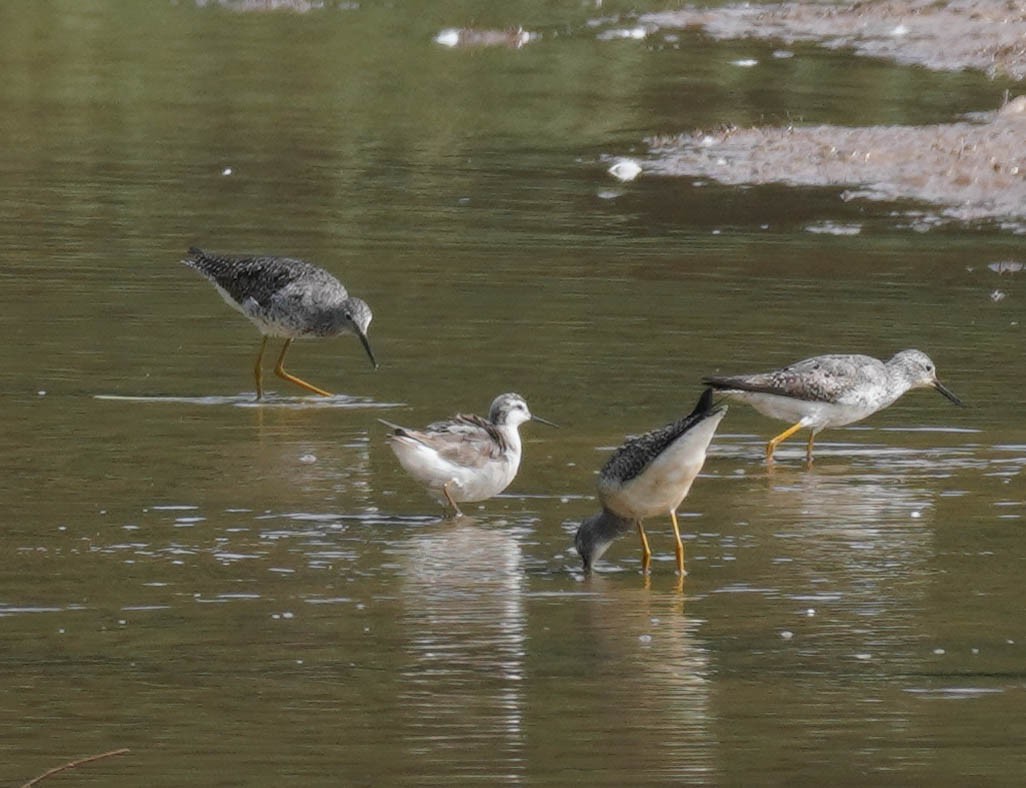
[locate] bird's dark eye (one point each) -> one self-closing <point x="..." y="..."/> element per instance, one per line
<point x="348" y="315"/>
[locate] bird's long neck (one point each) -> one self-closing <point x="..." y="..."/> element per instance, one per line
<point x="898" y="382"/>
<point x="511" y="436"/>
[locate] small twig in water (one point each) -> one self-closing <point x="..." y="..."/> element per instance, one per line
<point x="72" y="765"/>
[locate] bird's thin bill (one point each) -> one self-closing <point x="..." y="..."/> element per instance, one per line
<point x="544" y="421"/>
<point x="948" y="393"/>
<point x="367" y="347"/>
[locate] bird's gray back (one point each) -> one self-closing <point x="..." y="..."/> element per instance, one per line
<point x="631" y="459"/>
<point x="472" y="430"/>
<point x="830" y="378"/>
<point x="263" y="278"/>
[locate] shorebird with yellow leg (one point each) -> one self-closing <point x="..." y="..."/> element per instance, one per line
<point x="467" y="458"/>
<point x="285" y="297"/>
<point x="830" y="391"/>
<point x="649" y="475"/>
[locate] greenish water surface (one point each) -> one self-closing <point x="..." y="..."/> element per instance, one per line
<point x="257" y="595"/>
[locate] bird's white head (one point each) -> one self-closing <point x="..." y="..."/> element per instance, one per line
<point x="918" y="371"/>
<point x="509" y="410"/>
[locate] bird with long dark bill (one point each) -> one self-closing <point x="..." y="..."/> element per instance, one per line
<point x="830" y="391"/>
<point x="649" y="475"/>
<point x="287" y="298"/>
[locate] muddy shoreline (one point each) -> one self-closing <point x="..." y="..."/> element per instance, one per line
<point x="971" y="170"/>
<point x="987" y="35"/>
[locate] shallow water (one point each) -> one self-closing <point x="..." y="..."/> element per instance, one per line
<point x="247" y="595"/>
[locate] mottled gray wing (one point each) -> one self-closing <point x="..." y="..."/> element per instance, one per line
<point x="631" y="459"/>
<point x="818" y="379"/>
<point x="465" y="440"/>
<point x="259" y="278"/>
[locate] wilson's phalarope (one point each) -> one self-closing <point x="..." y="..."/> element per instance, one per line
<point x="467" y="458"/>
<point x="647" y="476"/>
<point x="286" y="298"/>
<point x="830" y="391"/>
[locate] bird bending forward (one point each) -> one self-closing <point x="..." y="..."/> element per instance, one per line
<point x="649" y="475"/>
<point x="285" y="297"/>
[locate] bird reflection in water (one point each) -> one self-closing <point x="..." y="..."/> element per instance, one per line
<point x="464" y="625"/>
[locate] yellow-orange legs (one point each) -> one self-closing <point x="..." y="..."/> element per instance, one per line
<point x="679" y="547"/>
<point x="772" y="445"/>
<point x="646" y="551"/>
<point x="279" y="370"/>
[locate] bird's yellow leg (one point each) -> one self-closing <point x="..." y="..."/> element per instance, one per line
<point x="279" y="370"/>
<point x="258" y="370"/>
<point x="457" y="512"/>
<point x="679" y="547"/>
<point x="772" y="445"/>
<point x="646" y="552"/>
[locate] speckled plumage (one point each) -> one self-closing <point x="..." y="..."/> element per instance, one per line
<point x="466" y="458"/>
<point x="831" y="390"/>
<point x="631" y="459"/>
<point x="649" y="475"/>
<point x="285" y="297"/>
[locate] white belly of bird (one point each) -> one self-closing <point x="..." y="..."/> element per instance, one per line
<point x="811" y="413"/>
<point x="466" y="484"/>
<point x="665" y="483"/>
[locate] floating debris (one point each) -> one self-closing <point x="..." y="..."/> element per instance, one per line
<point x="467" y="37"/>
<point x="250" y="6"/>
<point x="635" y="33"/>
<point x="1005" y="267"/>
<point x="832" y="228"/>
<point x="745" y="63"/>
<point x="998" y="295"/>
<point x="625" y="169"/>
